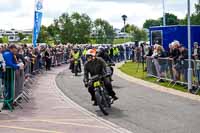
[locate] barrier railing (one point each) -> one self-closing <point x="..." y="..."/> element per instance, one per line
<point x="174" y="71"/>
<point x="16" y="84"/>
<point x="7" y="88"/>
<point x="58" y="59"/>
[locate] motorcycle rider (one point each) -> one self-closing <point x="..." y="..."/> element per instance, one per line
<point x="96" y="66"/>
<point x="103" y="53"/>
<point x="75" y="55"/>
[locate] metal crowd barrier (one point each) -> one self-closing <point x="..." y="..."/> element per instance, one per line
<point x="58" y="59"/>
<point x="7" y="88"/>
<point x="15" y="85"/>
<point x="173" y="71"/>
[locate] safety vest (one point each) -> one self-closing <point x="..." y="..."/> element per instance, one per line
<point x="84" y="52"/>
<point x="115" y="51"/>
<point x="76" y="56"/>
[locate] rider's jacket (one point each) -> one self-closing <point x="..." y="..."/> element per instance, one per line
<point x="105" y="57"/>
<point x="76" y="56"/>
<point x="94" y="67"/>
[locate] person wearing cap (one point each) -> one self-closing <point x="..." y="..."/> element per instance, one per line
<point x="96" y="66"/>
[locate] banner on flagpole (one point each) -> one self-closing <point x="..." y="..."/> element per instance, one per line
<point x="37" y="20"/>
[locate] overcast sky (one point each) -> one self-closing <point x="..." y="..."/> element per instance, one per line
<point x="18" y="14"/>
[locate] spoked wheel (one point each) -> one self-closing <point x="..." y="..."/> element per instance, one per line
<point x="101" y="102"/>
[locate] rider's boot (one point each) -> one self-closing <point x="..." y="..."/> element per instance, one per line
<point x="115" y="98"/>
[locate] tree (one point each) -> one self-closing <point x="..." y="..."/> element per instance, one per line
<point x="139" y="35"/>
<point x="183" y="21"/>
<point x="28" y="39"/>
<point x="43" y="35"/>
<point x="21" y="36"/>
<point x="81" y="28"/>
<point x="1" y="40"/>
<point x="171" y="19"/>
<point x="105" y="32"/>
<point x="136" y="33"/>
<point x="129" y="28"/>
<point x="5" y="39"/>
<point x="53" y="33"/>
<point x="197" y="8"/>
<point x="73" y="29"/>
<point x="150" y="22"/>
<point x="195" y="17"/>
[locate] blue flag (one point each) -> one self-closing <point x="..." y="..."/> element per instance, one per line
<point x="37" y="21"/>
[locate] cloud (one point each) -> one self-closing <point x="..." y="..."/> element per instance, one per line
<point x="19" y="13"/>
<point x="9" y="5"/>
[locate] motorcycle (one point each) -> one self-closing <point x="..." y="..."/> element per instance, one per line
<point x="104" y="101"/>
<point x="74" y="66"/>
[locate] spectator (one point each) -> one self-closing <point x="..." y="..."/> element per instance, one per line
<point x="121" y="53"/>
<point x="20" y="55"/>
<point x="47" y="59"/>
<point x="116" y="54"/>
<point x="196" y="50"/>
<point x="127" y="52"/>
<point x="160" y="64"/>
<point x="170" y="61"/>
<point x="176" y="63"/>
<point x="10" y="59"/>
<point x="138" y="53"/>
<point x="112" y="53"/>
<point x="183" y="62"/>
<point x="196" y="56"/>
<point x="133" y="53"/>
<point x="3" y="69"/>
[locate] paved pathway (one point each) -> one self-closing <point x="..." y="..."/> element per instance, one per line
<point x="49" y="111"/>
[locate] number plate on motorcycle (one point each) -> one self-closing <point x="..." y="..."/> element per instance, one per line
<point x="97" y="84"/>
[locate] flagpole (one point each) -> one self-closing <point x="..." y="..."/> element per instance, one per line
<point x="189" y="50"/>
<point x="164" y="16"/>
<point x="33" y="21"/>
<point x="37" y="20"/>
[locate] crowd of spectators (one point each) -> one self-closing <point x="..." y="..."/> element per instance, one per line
<point x="28" y="59"/>
<point x="172" y="63"/>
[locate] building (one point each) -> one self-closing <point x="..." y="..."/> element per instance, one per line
<point x="13" y="34"/>
<point x="122" y="35"/>
<point x="1" y="33"/>
<point x="119" y="34"/>
<point x="26" y="32"/>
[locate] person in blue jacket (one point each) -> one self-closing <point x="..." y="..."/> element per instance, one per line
<point x="9" y="57"/>
<point x="11" y="61"/>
